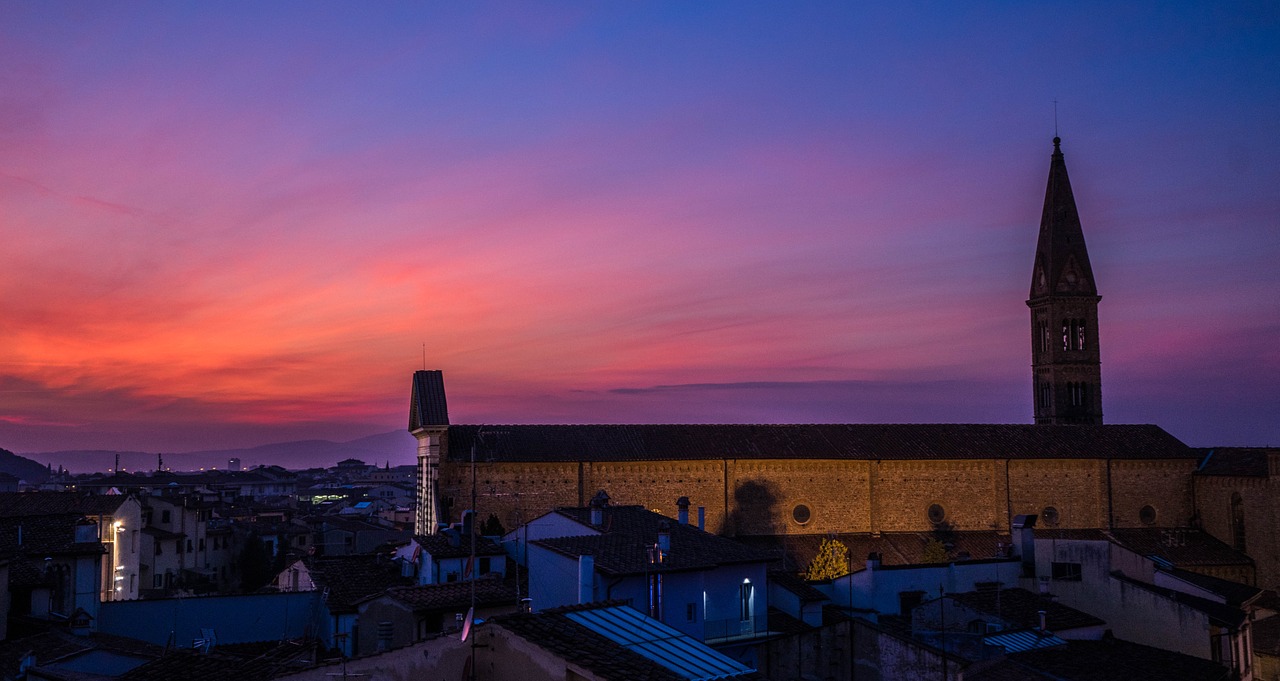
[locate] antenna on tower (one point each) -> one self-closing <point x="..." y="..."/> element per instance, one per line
<point x="1055" y="117"/>
<point x="424" y="356"/>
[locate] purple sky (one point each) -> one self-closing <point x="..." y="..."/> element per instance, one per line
<point x="234" y="223"/>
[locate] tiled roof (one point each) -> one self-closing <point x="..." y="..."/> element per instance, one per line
<point x="439" y="546"/>
<point x="242" y="662"/>
<point x="1116" y="660"/>
<point x="454" y="594"/>
<point x="41" y="503"/>
<point x="629" y="532"/>
<point x="1022" y="609"/>
<point x="351" y="579"/>
<point x="53" y="533"/>
<point x="820" y="441"/>
<point x="1078" y="534"/>
<point x="1235" y="593"/>
<point x="1181" y="546"/>
<point x="58" y="644"/>
<point x="427" y="405"/>
<point x="794" y="552"/>
<point x="1235" y="461"/>
<point x="797" y="586"/>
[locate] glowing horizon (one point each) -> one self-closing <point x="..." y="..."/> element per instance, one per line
<point x="234" y="225"/>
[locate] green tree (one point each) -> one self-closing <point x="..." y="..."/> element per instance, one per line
<point x="832" y="561"/>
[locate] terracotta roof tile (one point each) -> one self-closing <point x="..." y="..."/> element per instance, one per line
<point x="1022" y="609"/>
<point x="454" y="594"/>
<point x="1117" y="660"/>
<point x="630" y="531"/>
<point x="440" y="546"/>
<point x="351" y="579"/>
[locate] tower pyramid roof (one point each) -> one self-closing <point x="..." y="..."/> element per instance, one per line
<point x="1062" y="262"/>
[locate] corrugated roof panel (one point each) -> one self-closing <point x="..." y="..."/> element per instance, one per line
<point x="1027" y="639"/>
<point x="659" y="643"/>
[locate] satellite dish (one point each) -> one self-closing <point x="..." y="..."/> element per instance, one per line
<point x="466" y="626"/>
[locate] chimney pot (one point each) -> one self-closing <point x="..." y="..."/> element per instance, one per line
<point x="682" y="510"/>
<point x="664" y="540"/>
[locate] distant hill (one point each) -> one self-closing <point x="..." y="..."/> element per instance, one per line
<point x="396" y="447"/>
<point x="21" y="467"/>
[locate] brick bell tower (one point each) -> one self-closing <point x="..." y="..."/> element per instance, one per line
<point x="1066" y="367"/>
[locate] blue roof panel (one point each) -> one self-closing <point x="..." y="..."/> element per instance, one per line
<point x="660" y="643"/>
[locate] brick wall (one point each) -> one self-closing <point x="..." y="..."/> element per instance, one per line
<point x="1165" y="486"/>
<point x="761" y="496"/>
<point x="1259" y="498"/>
<point x="1077" y="488"/>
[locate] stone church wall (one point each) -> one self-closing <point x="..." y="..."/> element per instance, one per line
<point x="969" y="492"/>
<point x="514" y="492"/>
<point x="657" y="484"/>
<point x="1258" y="497"/>
<point x="1076" y="488"/>
<point x="1165" y="486"/>
<point x="800" y="496"/>
<point x="763" y="496"/>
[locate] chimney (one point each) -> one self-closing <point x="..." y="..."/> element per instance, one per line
<point x="598" y="502"/>
<point x="873" y="561"/>
<point x="682" y="512"/>
<point x="664" y="540"/>
<point x="586" y="579"/>
<point x="1044" y="622"/>
<point x="702" y="518"/>
<point x="468" y="523"/>
<point x="1024" y="542"/>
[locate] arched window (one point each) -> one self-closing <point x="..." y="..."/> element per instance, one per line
<point x="1237" y="522"/>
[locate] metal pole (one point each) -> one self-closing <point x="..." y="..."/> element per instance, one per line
<point x="472" y="539"/>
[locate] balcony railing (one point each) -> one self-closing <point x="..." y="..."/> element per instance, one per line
<point x="725" y="630"/>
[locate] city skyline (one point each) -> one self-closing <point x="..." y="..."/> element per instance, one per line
<point x="249" y="224"/>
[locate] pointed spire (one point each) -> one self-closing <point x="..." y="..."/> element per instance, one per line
<point x="1062" y="262"/>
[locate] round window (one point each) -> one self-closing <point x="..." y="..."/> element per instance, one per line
<point x="801" y="514"/>
<point x="937" y="513"/>
<point x="1050" y="516"/>
<point x="1147" y="515"/>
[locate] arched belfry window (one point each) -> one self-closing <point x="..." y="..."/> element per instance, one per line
<point x="1237" y="522"/>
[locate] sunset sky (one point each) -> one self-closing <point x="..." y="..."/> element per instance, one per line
<point x="232" y="223"/>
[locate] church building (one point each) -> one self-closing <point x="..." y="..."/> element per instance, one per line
<point x="1067" y="468"/>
